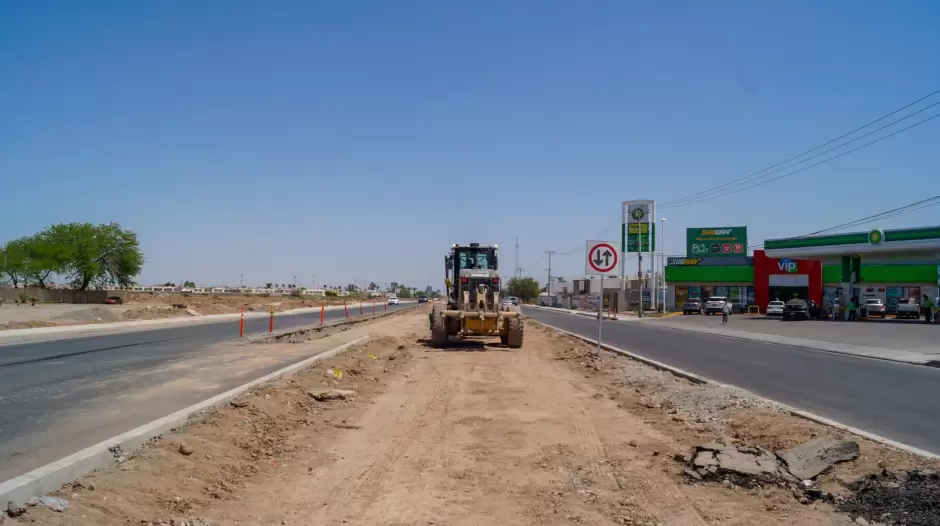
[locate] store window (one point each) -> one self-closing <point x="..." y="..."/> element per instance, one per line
<point x="682" y="296"/>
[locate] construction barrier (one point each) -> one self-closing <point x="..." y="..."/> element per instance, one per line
<point x="360" y="308"/>
<point x="346" y="309"/>
<point x="271" y="320"/>
<point x="322" y="313"/>
<point x="241" y="323"/>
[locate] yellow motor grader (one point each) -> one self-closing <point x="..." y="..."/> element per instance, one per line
<point x="473" y="304"/>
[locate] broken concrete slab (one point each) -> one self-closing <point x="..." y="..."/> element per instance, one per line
<point x="813" y="458"/>
<point x="717" y="459"/>
<point x="330" y="394"/>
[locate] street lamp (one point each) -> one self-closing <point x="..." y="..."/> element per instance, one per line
<point x="662" y="261"/>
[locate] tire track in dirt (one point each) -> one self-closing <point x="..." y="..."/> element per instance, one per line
<point x="354" y="499"/>
<point x="579" y="424"/>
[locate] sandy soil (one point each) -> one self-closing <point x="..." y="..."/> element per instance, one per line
<point x="150" y="307"/>
<point x="477" y="434"/>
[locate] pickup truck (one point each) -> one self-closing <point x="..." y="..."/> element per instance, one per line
<point x="908" y="308"/>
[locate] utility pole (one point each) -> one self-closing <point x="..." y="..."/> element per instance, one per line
<point x="548" y="284"/>
<point x="518" y="270"/>
<point x="241" y="281"/>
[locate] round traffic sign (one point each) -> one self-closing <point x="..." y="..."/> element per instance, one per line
<point x="603" y="257"/>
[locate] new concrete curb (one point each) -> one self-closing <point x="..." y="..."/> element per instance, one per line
<point x="790" y="409"/>
<point x="52" y="476"/>
<point x="39" y="334"/>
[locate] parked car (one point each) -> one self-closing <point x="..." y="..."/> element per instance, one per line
<point x="114" y="300"/>
<point x="874" y="307"/>
<point x="908" y="308"/>
<point x="797" y="309"/>
<point x="775" y="308"/>
<point x="693" y="306"/>
<point x="715" y="304"/>
<point x="392" y="299"/>
<point x="422" y="299"/>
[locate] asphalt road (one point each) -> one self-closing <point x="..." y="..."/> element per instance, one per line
<point x="46" y="387"/>
<point x="901" y="335"/>
<point x="896" y="401"/>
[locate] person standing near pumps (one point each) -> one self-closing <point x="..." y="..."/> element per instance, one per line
<point x="927" y="309"/>
<point x="725" y="312"/>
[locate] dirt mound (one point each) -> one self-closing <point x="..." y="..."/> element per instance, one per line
<point x="910" y="498"/>
<point x="154" y="312"/>
<point x="89" y="315"/>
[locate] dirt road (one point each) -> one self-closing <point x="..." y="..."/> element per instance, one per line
<point x="475" y="435"/>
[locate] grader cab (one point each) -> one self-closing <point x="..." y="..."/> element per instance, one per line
<point x="473" y="299"/>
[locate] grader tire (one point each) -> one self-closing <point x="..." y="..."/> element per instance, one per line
<point x="504" y="339"/>
<point x="515" y="332"/>
<point x="438" y="330"/>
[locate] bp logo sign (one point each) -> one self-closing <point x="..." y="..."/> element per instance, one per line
<point x="638" y="213"/>
<point x="876" y="237"/>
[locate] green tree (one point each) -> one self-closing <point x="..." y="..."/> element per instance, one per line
<point x="268" y="285"/>
<point x="189" y="284"/>
<point x="525" y="288"/>
<point x="102" y="255"/>
<point x="169" y="284"/>
<point x="373" y="285"/>
<point x="15" y="257"/>
<point x="404" y="292"/>
<point x="351" y="288"/>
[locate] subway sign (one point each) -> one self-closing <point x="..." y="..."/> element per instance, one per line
<point x="716" y="242"/>
<point x="683" y="262"/>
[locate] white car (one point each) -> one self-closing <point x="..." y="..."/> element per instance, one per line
<point x="715" y="304"/>
<point x="775" y="308"/>
<point x="392" y="299"/>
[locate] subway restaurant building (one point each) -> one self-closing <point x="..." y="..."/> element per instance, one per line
<point x="886" y="264"/>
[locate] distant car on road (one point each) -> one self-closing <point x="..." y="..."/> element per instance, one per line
<point x="875" y="307"/>
<point x="715" y="304"/>
<point x="114" y="300"/>
<point x="775" y="308"/>
<point x="693" y="306"/>
<point x="908" y="308"/>
<point x="422" y="299"/>
<point x="514" y="300"/>
<point x="392" y="299"/>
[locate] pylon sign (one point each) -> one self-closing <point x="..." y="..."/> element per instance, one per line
<point x="602" y="258"/>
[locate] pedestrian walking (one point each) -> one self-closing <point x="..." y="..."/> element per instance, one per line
<point x="853" y="307"/>
<point x="725" y="312"/>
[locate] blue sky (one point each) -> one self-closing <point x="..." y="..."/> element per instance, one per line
<point x="358" y="140"/>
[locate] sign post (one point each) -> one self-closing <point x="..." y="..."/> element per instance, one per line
<point x="639" y="235"/>
<point x="601" y="259"/>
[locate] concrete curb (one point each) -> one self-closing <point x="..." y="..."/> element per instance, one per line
<point x="52" y="476"/>
<point x="15" y="336"/>
<point x="789" y="409"/>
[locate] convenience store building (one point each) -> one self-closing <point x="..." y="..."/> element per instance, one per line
<point x="886" y="264"/>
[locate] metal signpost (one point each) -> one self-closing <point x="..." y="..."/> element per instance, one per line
<point x="639" y="235"/>
<point x="601" y="258"/>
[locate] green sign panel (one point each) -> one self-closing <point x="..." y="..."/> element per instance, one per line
<point x="716" y="242"/>
<point x="636" y="237"/>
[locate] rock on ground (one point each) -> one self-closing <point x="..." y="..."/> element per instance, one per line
<point x="813" y="458"/>
<point x="330" y="394"/>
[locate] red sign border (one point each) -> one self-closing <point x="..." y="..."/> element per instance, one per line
<point x="612" y="249"/>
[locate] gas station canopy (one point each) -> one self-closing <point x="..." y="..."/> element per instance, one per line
<point x="904" y="243"/>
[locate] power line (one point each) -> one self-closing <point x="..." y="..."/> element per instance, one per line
<point x="823" y="145"/>
<point x="824" y="161"/>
